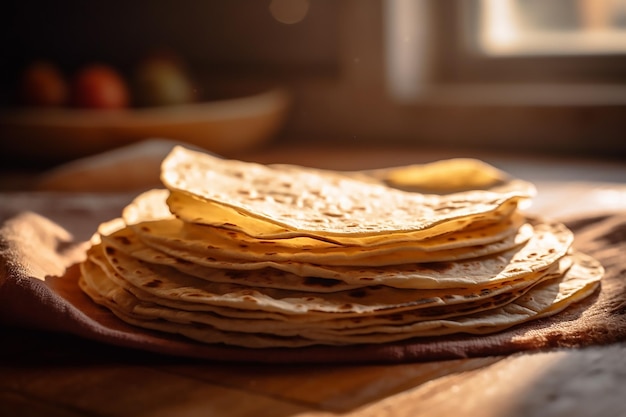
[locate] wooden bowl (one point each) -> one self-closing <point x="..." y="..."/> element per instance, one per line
<point x="222" y="126"/>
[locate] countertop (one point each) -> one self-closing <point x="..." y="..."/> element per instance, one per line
<point x="60" y="375"/>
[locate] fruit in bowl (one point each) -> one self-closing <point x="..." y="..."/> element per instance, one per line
<point x="43" y="85"/>
<point x="162" y="81"/>
<point x="100" y="86"/>
<point x="104" y="113"/>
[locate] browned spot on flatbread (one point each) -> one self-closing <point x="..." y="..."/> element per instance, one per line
<point x="155" y="283"/>
<point x="123" y="240"/>
<point x="237" y="274"/>
<point x="321" y="282"/>
<point x="435" y="266"/>
<point x="360" y="293"/>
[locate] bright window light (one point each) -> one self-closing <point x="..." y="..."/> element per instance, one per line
<point x="555" y="27"/>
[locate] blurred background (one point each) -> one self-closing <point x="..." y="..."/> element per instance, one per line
<point x="520" y="76"/>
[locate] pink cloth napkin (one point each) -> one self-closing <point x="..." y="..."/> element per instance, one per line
<point x="39" y="249"/>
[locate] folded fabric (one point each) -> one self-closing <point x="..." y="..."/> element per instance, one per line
<point x="39" y="250"/>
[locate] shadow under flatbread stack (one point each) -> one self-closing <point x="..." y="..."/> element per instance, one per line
<point x="260" y="256"/>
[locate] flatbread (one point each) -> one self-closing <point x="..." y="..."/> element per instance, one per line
<point x="164" y="282"/>
<point x="547" y="298"/>
<point x="445" y="176"/>
<point x="195" y="211"/>
<point x="152" y="206"/>
<point x="550" y="242"/>
<point x="259" y="256"/>
<point x="166" y="233"/>
<point x="115" y="236"/>
<point x="324" y="203"/>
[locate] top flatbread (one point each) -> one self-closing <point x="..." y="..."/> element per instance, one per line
<point x="151" y="220"/>
<point x="201" y="212"/>
<point x="322" y="202"/>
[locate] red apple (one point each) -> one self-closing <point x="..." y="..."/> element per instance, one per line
<point x="43" y="84"/>
<point x="99" y="86"/>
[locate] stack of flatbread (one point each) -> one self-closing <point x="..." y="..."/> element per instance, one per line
<point x="236" y="253"/>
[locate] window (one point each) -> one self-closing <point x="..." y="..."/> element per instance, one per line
<point x="556" y="27"/>
<point x="558" y="52"/>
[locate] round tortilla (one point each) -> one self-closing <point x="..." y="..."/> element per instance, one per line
<point x="550" y="242"/>
<point x="165" y="283"/>
<point x="546" y="298"/>
<point x="324" y="203"/>
<point x="261" y="256"/>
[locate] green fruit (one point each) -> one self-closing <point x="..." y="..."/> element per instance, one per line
<point x="161" y="82"/>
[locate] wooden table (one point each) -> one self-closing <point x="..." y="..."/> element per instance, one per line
<point x="57" y="375"/>
<point x="52" y="375"/>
